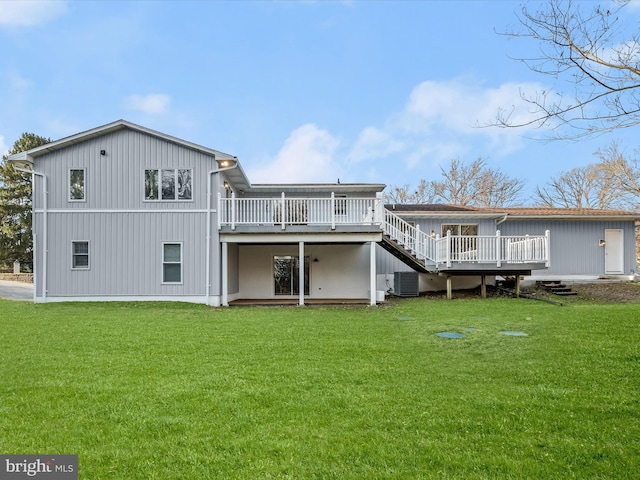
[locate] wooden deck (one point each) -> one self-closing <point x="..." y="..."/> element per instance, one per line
<point x="294" y="301"/>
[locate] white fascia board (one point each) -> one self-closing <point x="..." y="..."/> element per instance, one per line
<point x="447" y="214"/>
<point x="318" y="187"/>
<point x="301" y="237"/>
<point x="583" y="218"/>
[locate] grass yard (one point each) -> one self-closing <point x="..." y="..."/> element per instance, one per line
<point x="179" y="391"/>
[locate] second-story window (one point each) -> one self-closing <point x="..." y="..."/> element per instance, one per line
<point x="76" y="184"/>
<point x="340" y="205"/>
<point x="168" y="184"/>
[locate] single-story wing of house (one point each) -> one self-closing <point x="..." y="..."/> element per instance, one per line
<point x="583" y="244"/>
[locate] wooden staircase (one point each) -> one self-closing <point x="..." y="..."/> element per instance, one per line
<point x="400" y="252"/>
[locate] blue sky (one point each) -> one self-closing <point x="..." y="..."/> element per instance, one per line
<point x="308" y="91"/>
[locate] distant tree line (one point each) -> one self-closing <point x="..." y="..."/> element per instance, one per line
<point x="612" y="182"/>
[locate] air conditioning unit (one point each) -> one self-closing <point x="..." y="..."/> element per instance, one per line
<point x="406" y="284"/>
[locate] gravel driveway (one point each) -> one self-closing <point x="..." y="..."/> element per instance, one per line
<point x="16" y="290"/>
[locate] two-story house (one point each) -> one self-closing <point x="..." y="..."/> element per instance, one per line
<point x="123" y="212"/>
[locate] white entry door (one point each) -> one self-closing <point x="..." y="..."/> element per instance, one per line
<point x="613" y="251"/>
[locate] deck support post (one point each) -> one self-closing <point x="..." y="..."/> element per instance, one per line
<point x="301" y="274"/>
<point x="372" y="273"/>
<point x="483" y="286"/>
<point x="225" y="274"/>
<point x="517" y="286"/>
<point x="449" y="288"/>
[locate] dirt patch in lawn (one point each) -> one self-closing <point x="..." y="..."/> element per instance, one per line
<point x="627" y="292"/>
<point x="604" y="292"/>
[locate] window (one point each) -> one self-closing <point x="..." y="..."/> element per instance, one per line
<point x="76" y="184"/>
<point x="464" y="230"/>
<point x="80" y="255"/>
<point x="171" y="263"/>
<point x="168" y="184"/>
<point x="286" y="275"/>
<point x="340" y="205"/>
<point x="464" y="245"/>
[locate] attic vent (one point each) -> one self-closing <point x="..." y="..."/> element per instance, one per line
<point x="406" y="284"/>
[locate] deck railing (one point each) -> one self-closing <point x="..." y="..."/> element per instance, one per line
<point x="433" y="250"/>
<point x="496" y="249"/>
<point x="482" y="249"/>
<point x="283" y="211"/>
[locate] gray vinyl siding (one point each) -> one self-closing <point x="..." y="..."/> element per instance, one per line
<point x="387" y="263"/>
<point x="125" y="232"/>
<point x="125" y="253"/>
<point x="116" y="180"/>
<point x="575" y="248"/>
<point x="485" y="226"/>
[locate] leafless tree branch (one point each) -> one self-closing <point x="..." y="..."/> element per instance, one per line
<point x="596" y="70"/>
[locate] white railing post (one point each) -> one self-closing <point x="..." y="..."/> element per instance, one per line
<point x="333" y="211"/>
<point x="283" y="206"/>
<point x="233" y="211"/>
<point x="547" y="248"/>
<point x="219" y="212"/>
<point x="527" y="249"/>
<point x="448" y="249"/>
<point x="416" y="241"/>
<point x="498" y="249"/>
<point x="379" y="210"/>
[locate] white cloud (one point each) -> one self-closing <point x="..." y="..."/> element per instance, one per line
<point x="153" y="103"/>
<point x="634" y="4"/>
<point x="375" y="143"/>
<point x="28" y="13"/>
<point x="440" y="121"/>
<point x="305" y="157"/>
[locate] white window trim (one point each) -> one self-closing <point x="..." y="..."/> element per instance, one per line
<point x="84" y="198"/>
<point x="73" y="254"/>
<point x="162" y="263"/>
<point x="459" y="225"/>
<point x="160" y="199"/>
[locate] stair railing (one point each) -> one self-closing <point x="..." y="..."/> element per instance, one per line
<point x="411" y="238"/>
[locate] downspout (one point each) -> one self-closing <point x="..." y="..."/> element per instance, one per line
<point x="45" y="242"/>
<point x="209" y="212"/>
<point x="503" y="219"/>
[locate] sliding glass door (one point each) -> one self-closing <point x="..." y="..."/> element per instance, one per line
<point x="286" y="276"/>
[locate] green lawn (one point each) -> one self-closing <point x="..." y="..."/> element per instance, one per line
<point x="173" y="391"/>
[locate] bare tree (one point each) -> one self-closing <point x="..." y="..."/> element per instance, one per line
<point x="423" y="193"/>
<point x="613" y="182"/>
<point x="495" y="189"/>
<point x="463" y="184"/>
<point x="625" y="173"/>
<point x="577" y="188"/>
<point x="457" y="185"/>
<point x="588" y="51"/>
<point x="475" y="184"/>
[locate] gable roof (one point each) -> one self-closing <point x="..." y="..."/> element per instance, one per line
<point x="529" y="213"/>
<point x="108" y="128"/>
<point x="237" y="175"/>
